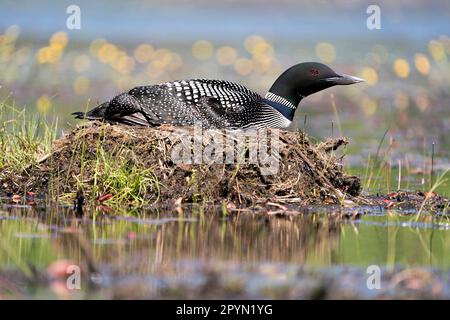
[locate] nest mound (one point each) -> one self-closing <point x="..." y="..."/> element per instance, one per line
<point x="168" y="162"/>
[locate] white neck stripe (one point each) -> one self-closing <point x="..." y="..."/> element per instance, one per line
<point x="276" y="98"/>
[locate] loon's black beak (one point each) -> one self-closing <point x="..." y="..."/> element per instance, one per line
<point x="344" y="79"/>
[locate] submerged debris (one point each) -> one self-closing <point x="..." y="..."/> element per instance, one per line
<point x="78" y="202"/>
<point x="408" y="201"/>
<point x="152" y="165"/>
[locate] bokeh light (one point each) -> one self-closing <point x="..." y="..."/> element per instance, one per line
<point x="43" y="104"/>
<point x="422" y="63"/>
<point x="325" y="52"/>
<point x="95" y="46"/>
<point x="176" y="62"/>
<point x="53" y="53"/>
<point x="243" y="66"/>
<point x="226" y="55"/>
<point x="202" y="50"/>
<point x="369" y="106"/>
<point x="107" y="53"/>
<point x="437" y="50"/>
<point x="401" y="100"/>
<point x="154" y="70"/>
<point x="370" y="75"/>
<point x="401" y="68"/>
<point x="422" y="101"/>
<point x="124" y="64"/>
<point x="251" y="42"/>
<point x="143" y="53"/>
<point x="162" y="58"/>
<point x="59" y="39"/>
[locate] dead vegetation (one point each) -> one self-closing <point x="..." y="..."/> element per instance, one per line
<point x="141" y="164"/>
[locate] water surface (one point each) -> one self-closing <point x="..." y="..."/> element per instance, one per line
<point x="180" y="252"/>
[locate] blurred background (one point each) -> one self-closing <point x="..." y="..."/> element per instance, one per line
<point x="53" y="71"/>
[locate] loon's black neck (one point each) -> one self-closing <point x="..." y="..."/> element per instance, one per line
<point x="286" y="91"/>
<point x="281" y="104"/>
<point x="287" y="88"/>
<point x="284" y="94"/>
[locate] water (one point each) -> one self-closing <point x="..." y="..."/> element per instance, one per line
<point x="177" y="21"/>
<point x="195" y="253"/>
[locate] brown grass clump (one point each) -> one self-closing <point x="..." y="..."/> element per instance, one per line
<point x="137" y="164"/>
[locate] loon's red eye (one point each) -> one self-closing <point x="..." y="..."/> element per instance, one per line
<point x="314" y="72"/>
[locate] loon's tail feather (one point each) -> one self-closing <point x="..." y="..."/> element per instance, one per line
<point x="79" y="115"/>
<point x="98" y="113"/>
<point x="134" y="119"/>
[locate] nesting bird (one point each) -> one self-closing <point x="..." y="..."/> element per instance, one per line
<point x="219" y="104"/>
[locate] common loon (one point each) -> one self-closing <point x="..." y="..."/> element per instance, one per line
<point x="219" y="104"/>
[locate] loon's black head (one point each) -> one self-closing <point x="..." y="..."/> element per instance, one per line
<point x="307" y="78"/>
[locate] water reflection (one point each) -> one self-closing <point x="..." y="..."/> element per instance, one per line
<point x="153" y="249"/>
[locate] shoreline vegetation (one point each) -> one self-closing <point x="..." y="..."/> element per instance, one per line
<point x="134" y="166"/>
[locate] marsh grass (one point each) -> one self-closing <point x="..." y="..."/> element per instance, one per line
<point x="125" y="180"/>
<point x="376" y="165"/>
<point x="23" y="138"/>
<point x="383" y="175"/>
<point x="439" y="181"/>
<point x="116" y="173"/>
